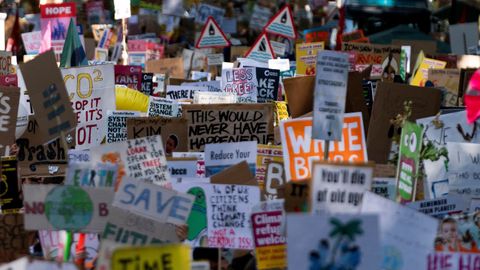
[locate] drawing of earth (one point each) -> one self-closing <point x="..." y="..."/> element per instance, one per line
<point x="68" y="208"/>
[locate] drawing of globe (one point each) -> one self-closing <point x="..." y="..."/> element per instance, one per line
<point x="68" y="208"/>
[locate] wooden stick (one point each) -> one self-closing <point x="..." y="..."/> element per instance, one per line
<point x="326" y="150"/>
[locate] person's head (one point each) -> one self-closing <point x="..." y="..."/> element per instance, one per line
<point x="171" y="144"/>
<point x="448" y="229"/>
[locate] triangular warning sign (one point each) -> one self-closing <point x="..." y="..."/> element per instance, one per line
<point x="212" y="36"/>
<point x="261" y="50"/>
<point x="282" y="24"/>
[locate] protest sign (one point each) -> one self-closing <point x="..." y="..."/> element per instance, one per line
<point x="261" y="50"/>
<point x="158" y="106"/>
<point x="15" y="240"/>
<point x="448" y="79"/>
<point x="265" y="155"/>
<point x="38" y="159"/>
<point x="54" y="20"/>
<point x="405" y="234"/>
<point x="220" y="156"/>
<point x="238" y="174"/>
<point x="330" y="95"/>
<point x="91" y="92"/>
<point x="427" y="64"/>
<point x="214" y="98"/>
<point x="463" y="169"/>
<point x="267" y="85"/>
<point x="260" y="17"/>
<point x="214" y="38"/>
<point x="326" y="245"/>
<point x="56" y="207"/>
<point x="48" y="97"/>
<point x="339" y="187"/>
<point x="463" y="36"/>
<point x="122" y="9"/>
<point x="129" y="228"/>
<point x="274" y="179"/>
<point x="10" y="201"/>
<point x="440" y="207"/>
<point x="53" y="245"/>
<point x="297" y="196"/>
<point x="215" y="59"/>
<point x="117" y="125"/>
<point x="384" y="58"/>
<point x="32" y="41"/>
<point x="241" y="81"/>
<point x="228" y="211"/>
<point x="300" y="150"/>
<point x="409" y="161"/>
<point x="26" y="263"/>
<point x="278" y="48"/>
<point x="183" y="167"/>
<point x="173" y="67"/>
<point x="172" y="130"/>
<point x="153" y="201"/>
<point x="269" y="238"/>
<point x="130" y="76"/>
<point x="228" y="123"/>
<point x="451" y="261"/>
<point x="458" y="233"/>
<point x="172" y="257"/>
<point x="147" y="83"/>
<point x="389" y="102"/>
<point x="453" y="128"/>
<point x="204" y="11"/>
<point x="105" y="253"/>
<point x="9" y="101"/>
<point x="87" y="174"/>
<point x="183" y="93"/>
<point x="5" y="62"/>
<point x="306" y="57"/>
<point x="385" y="187"/>
<point x="142" y="158"/>
<point x="282" y="24"/>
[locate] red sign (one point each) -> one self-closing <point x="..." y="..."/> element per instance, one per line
<point x="58" y="10"/>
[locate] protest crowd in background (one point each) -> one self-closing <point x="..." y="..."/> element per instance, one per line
<point x="239" y="134"/>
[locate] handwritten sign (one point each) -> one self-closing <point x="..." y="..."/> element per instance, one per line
<point x="463" y="169"/>
<point x="214" y="98"/>
<point x="9" y="100"/>
<point x="228" y="123"/>
<point x="171" y="257"/>
<point x="143" y="159"/>
<point x="330" y="95"/>
<point x="117" y="125"/>
<point x="339" y="187"/>
<point x="158" y="106"/>
<point x="91" y="175"/>
<point x="15" y="240"/>
<point x="300" y="150"/>
<point x="228" y="209"/>
<point x="153" y="201"/>
<point x="183" y="93"/>
<point x="241" y="81"/>
<point x="265" y="155"/>
<point x="56" y="207"/>
<point x="91" y="92"/>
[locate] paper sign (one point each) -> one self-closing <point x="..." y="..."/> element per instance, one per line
<point x="117" y="125"/>
<point x="241" y="81"/>
<point x="330" y="95"/>
<point x="92" y="94"/>
<point x="29" y="264"/>
<point x="427" y="64"/>
<point x="409" y="161"/>
<point x="300" y="150"/>
<point x="9" y="101"/>
<point x="183" y="93"/>
<point x="163" y="107"/>
<point x="5" y="62"/>
<point x="48" y="96"/>
<point x="142" y="159"/>
<point x="101" y="54"/>
<point x="261" y="50"/>
<point x="282" y="24"/>
<point x="130" y="76"/>
<point x="215" y="59"/>
<point x="90" y="175"/>
<point x="306" y="57"/>
<point x="32" y="42"/>
<point x="171" y="66"/>
<point x="56" y="207"/>
<point x="442" y="206"/>
<point x="15" y="240"/>
<point x="339" y="187"/>
<point x="212" y="36"/>
<point x="210" y="86"/>
<point x="385" y="187"/>
<point x="463" y="169"/>
<point x="448" y="79"/>
<point x="267" y="86"/>
<point x="10" y="201"/>
<point x="228" y="211"/>
<point x="451" y="261"/>
<point x="220" y="156"/>
<point x="172" y="257"/>
<point x="406" y="235"/>
<point x="316" y="249"/>
<point x="54" y="20"/>
<point x="458" y="233"/>
<point x="260" y="17"/>
<point x="152" y="201"/>
<point x="462" y="37"/>
<point x="129" y="228"/>
<point x="122" y="9"/>
<point x="214" y="98"/>
<point x="278" y="48"/>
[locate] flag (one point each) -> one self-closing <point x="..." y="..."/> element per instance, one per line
<point x="472" y="98"/>
<point x="73" y="54"/>
<point x="14" y="43"/>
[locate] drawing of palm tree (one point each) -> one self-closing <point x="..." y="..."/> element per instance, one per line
<point x="342" y="231"/>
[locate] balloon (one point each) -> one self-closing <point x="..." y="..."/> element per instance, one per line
<point x="128" y="99"/>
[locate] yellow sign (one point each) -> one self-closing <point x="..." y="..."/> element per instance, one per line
<point x="421" y="76"/>
<point x="271" y="257"/>
<point x="306" y="54"/>
<point x="281" y="112"/>
<point x="168" y="257"/>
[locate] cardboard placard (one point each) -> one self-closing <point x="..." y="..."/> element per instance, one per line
<point x="228" y="123"/>
<point x="58" y="207"/>
<point x="15" y="240"/>
<point x="9" y="100"/>
<point x="153" y="201"/>
<point x="48" y="96"/>
<point x="338" y="187"/>
<point x="238" y="174"/>
<point x="274" y="179"/>
<point x="172" y="67"/>
<point x="297" y="196"/>
<point x="92" y="94"/>
<point x="214" y="98"/>
<point x="300" y="150"/>
<point x="389" y="101"/>
<point x="385" y="187"/>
